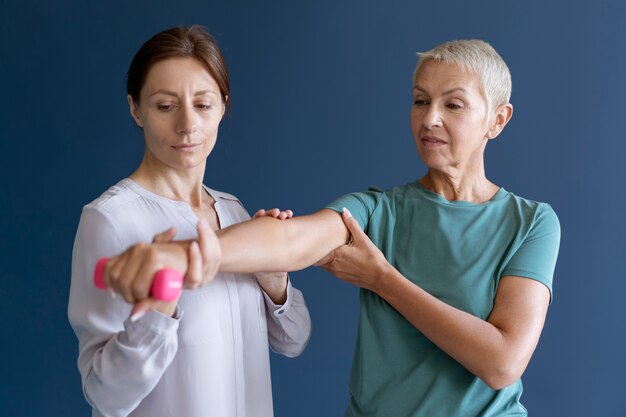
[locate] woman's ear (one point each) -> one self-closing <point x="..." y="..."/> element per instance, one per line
<point x="134" y="111"/>
<point x="503" y="115"/>
<point x="224" y="104"/>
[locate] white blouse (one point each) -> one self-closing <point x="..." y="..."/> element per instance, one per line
<point x="212" y="359"/>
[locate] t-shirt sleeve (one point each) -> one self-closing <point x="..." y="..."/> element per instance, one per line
<point x="360" y="204"/>
<point x="536" y="257"/>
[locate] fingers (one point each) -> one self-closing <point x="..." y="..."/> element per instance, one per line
<point x="164" y="237"/>
<point x="144" y="276"/>
<point x="193" y="279"/>
<point x="204" y="233"/>
<point x="352" y="225"/>
<point x="118" y="273"/>
<point x="275" y="212"/>
<point x="141" y="307"/>
<point x="210" y="251"/>
<point x="130" y="274"/>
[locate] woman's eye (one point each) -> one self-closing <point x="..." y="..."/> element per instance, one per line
<point x="165" y="107"/>
<point x="204" y="106"/>
<point x="420" y="102"/>
<point x="454" y="106"/>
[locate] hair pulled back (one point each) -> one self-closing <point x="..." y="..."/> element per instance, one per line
<point x="179" y="42"/>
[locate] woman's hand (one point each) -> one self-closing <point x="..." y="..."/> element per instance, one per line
<point x="202" y="267"/>
<point x="359" y="262"/>
<point x="276" y="213"/>
<point x="205" y="256"/>
<point x="131" y="273"/>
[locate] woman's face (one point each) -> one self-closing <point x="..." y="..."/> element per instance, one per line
<point x="449" y="117"/>
<point x="180" y="109"/>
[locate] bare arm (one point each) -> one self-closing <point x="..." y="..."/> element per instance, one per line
<point x="274" y="284"/>
<point x="497" y="350"/>
<point x="268" y="244"/>
<point x="261" y="244"/>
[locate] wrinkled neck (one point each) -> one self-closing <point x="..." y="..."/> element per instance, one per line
<point x="457" y="187"/>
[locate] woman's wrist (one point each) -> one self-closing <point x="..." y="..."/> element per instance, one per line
<point x="387" y="282"/>
<point x="274" y="284"/>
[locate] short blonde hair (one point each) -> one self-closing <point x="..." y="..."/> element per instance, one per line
<point x="476" y="56"/>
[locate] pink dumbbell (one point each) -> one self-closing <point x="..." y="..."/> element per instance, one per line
<point x="167" y="283"/>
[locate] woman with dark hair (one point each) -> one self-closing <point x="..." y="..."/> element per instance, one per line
<point x="206" y="352"/>
<point x="455" y="272"/>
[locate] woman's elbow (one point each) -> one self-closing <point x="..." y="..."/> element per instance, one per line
<point x="290" y="350"/>
<point x="294" y="352"/>
<point x="291" y="345"/>
<point x="501" y="376"/>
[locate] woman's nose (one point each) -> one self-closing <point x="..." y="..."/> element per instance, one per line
<point x="432" y="118"/>
<point x="186" y="123"/>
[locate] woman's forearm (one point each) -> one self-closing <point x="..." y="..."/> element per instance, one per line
<point x="498" y="349"/>
<point x="264" y="244"/>
<point x="268" y="244"/>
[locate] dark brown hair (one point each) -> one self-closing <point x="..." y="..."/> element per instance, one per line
<point x="179" y="42"/>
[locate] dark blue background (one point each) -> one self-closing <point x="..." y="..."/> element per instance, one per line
<point x="321" y="97"/>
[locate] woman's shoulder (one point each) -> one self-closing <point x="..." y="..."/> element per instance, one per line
<point x="529" y="204"/>
<point x="395" y="194"/>
<point x="539" y="214"/>
<point x="371" y="198"/>
<point x="116" y="196"/>
<point x="104" y="216"/>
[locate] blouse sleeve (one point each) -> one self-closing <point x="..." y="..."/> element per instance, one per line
<point x="120" y="361"/>
<point x="288" y="325"/>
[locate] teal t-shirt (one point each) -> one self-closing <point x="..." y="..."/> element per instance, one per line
<point x="456" y="251"/>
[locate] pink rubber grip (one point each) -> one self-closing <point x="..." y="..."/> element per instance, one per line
<point x="167" y="283"/>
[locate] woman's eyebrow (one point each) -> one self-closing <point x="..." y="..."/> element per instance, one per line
<point x="453" y="90"/>
<point x="174" y="94"/>
<point x="445" y="93"/>
<point x="165" y="92"/>
<point x="203" y="92"/>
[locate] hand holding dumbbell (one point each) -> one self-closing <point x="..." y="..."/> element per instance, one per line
<point x="167" y="283"/>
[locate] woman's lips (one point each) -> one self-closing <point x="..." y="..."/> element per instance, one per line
<point x="432" y="142"/>
<point x="190" y="147"/>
